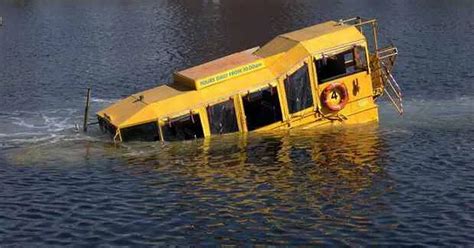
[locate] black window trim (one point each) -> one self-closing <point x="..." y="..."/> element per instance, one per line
<point x="271" y="85"/>
<point x="178" y="117"/>
<point x="122" y="129"/>
<point x="341" y="75"/>
<point x="299" y="66"/>
<point x="237" y="118"/>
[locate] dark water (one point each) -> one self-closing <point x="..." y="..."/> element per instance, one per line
<point x="408" y="180"/>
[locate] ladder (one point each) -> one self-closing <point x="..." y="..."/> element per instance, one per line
<point x="391" y="88"/>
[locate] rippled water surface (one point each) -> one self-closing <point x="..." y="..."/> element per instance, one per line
<point x="407" y="180"/>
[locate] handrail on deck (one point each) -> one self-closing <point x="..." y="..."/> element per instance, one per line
<point x="358" y="22"/>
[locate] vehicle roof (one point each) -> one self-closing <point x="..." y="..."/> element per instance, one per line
<point x="277" y="56"/>
<point x="221" y="64"/>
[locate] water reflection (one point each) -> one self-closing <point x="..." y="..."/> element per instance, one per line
<point x="314" y="181"/>
<point x="346" y="158"/>
<point x="302" y="155"/>
<point x="324" y="162"/>
<point x="340" y="149"/>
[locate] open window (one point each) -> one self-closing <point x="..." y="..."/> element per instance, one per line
<point x="222" y="118"/>
<point x="143" y="132"/>
<point x="185" y="127"/>
<point x="262" y="108"/>
<point x="338" y="65"/>
<point x="298" y="90"/>
<point x="106" y="127"/>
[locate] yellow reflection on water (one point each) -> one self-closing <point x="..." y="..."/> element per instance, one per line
<point x="351" y="155"/>
<point x="319" y="175"/>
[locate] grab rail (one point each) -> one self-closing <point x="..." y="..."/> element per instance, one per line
<point x="393" y="91"/>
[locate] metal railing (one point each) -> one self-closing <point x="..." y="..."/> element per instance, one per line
<point x="360" y="23"/>
<point x="391" y="88"/>
<point x="382" y="62"/>
<point x="386" y="58"/>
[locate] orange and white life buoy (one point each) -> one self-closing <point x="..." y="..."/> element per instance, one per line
<point x="335" y="96"/>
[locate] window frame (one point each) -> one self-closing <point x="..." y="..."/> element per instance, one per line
<point x="236" y="115"/>
<point x="310" y="84"/>
<point x="169" y="121"/>
<point x="344" y="51"/>
<point x="244" y="95"/>
<point x="124" y="130"/>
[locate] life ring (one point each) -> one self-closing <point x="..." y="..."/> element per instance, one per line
<point x="336" y="91"/>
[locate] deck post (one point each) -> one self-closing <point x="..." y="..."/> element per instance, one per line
<point x="86" y="110"/>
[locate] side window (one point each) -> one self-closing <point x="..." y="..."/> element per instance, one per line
<point x="331" y="67"/>
<point x="360" y="58"/>
<point x="143" y="132"/>
<point x="262" y="108"/>
<point x="222" y="118"/>
<point x="106" y="127"/>
<point x="183" y="128"/>
<point x="298" y="90"/>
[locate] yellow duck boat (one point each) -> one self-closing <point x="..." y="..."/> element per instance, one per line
<point x="327" y="74"/>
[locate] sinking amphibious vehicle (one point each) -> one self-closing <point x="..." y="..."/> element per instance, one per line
<point x="327" y="74"/>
